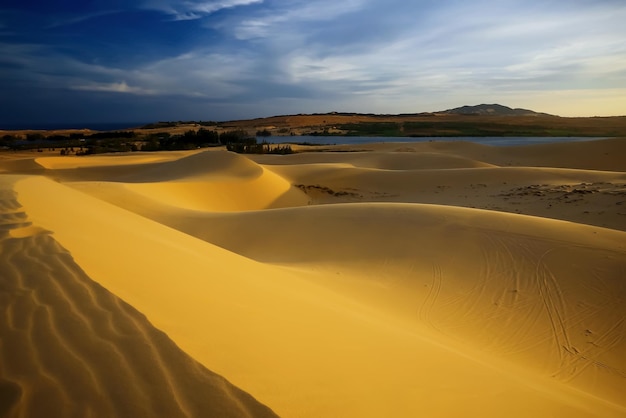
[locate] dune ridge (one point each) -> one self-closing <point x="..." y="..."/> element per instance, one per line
<point x="583" y="182"/>
<point x="438" y="279"/>
<point x="72" y="349"/>
<point x="210" y="181"/>
<point x="328" y="336"/>
<point x="472" y="261"/>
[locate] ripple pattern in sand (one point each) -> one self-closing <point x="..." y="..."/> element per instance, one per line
<point x="70" y="348"/>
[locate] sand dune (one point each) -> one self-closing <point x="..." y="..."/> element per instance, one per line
<point x="213" y="181"/>
<point x="602" y="154"/>
<point x="402" y="158"/>
<point x="324" y="284"/>
<point x="558" y="287"/>
<point x="70" y="348"/>
<point x="581" y="182"/>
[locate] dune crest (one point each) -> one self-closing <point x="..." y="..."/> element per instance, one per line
<point x="206" y="180"/>
<point x="71" y="348"/>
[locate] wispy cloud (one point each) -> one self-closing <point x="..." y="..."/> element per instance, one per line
<point x="209" y="75"/>
<point x="273" y="21"/>
<point x="194" y="9"/>
<point x="59" y="21"/>
<point x="115" y="87"/>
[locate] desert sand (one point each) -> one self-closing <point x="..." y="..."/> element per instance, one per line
<point x="430" y="279"/>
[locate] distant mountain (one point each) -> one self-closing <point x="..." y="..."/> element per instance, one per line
<point x="491" y="109"/>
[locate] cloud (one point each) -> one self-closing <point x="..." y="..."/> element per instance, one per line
<point x="119" y="87"/>
<point x="273" y="21"/>
<point x="68" y="20"/>
<point x="206" y="74"/>
<point x="199" y="74"/>
<point x="194" y="9"/>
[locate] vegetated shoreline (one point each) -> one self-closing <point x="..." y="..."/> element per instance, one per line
<point x="189" y="135"/>
<point x="422" y="124"/>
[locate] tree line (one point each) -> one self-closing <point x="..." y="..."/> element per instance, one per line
<point x="124" y="141"/>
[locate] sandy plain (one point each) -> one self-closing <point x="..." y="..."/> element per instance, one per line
<point x="430" y="279"/>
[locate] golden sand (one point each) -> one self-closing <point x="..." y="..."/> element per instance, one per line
<point x="428" y="279"/>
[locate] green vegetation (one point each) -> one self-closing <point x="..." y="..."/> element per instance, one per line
<point x="112" y="141"/>
<point x="246" y="145"/>
<point x="128" y="141"/>
<point x="264" y="132"/>
<point x="372" y="129"/>
<point x="467" y="128"/>
<point x="169" y="124"/>
<point x="475" y="125"/>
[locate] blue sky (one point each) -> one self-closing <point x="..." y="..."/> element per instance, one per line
<point x="148" y="60"/>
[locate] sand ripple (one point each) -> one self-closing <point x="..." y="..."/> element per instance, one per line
<point x="70" y="348"/>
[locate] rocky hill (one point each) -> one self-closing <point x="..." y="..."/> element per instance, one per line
<point x="491" y="109"/>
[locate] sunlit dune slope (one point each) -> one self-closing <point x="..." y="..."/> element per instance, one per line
<point x="70" y="348"/>
<point x="117" y="160"/>
<point x="376" y="309"/>
<point x="210" y="180"/>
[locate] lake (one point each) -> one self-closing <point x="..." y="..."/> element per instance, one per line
<point x="491" y="140"/>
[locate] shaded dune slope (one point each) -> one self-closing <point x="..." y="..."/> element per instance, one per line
<point x="403" y="184"/>
<point x="604" y="154"/>
<point x="592" y="196"/>
<point x="401" y="158"/>
<point x="70" y="348"/>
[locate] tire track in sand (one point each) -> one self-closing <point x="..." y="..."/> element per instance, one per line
<point x="551" y="296"/>
<point x="573" y="361"/>
<point x="425" y="312"/>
